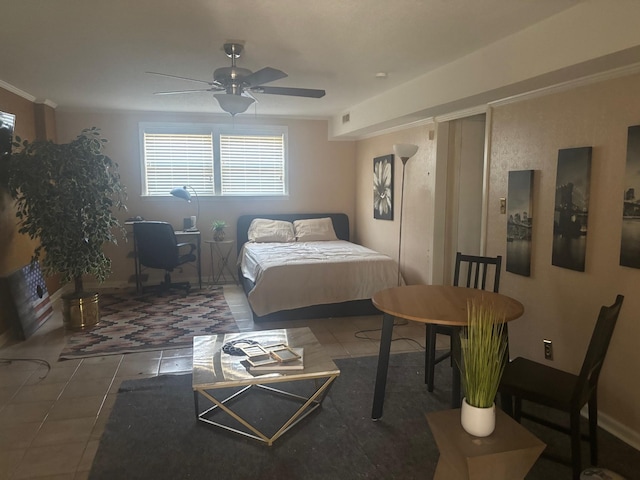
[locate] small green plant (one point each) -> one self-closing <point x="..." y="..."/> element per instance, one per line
<point x="217" y="227"/>
<point x="484" y="349"/>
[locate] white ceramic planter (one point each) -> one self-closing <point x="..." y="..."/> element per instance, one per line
<point x="479" y="422"/>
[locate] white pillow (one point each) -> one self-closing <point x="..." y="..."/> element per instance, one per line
<point x="265" y="230"/>
<point x="314" y="229"/>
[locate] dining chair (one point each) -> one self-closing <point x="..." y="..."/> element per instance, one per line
<point x="157" y="247"/>
<point x="534" y="382"/>
<point x="471" y="271"/>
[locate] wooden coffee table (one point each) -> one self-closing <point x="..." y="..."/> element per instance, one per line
<point x="213" y="370"/>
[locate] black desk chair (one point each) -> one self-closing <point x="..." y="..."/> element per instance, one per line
<point x="157" y="247"/>
<point x="477" y="271"/>
<point x="525" y="379"/>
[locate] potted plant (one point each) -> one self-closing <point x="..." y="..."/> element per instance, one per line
<point x="217" y="227"/>
<point x="65" y="196"/>
<point x="483" y="354"/>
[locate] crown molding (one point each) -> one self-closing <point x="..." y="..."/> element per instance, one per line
<point x="48" y="103"/>
<point x="17" y="91"/>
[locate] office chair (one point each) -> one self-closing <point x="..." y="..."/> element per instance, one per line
<point x="525" y="379"/>
<point x="157" y="247"/>
<point x="477" y="269"/>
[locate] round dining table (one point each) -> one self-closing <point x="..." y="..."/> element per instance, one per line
<point x="435" y="305"/>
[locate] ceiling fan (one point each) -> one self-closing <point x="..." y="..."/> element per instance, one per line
<point x="239" y="84"/>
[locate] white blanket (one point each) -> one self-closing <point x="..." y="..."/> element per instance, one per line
<point x="300" y="274"/>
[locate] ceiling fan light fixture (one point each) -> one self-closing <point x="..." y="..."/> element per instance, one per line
<point x="233" y="104"/>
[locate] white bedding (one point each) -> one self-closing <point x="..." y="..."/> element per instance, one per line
<point x="300" y="274"/>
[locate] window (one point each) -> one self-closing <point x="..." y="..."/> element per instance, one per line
<point x="214" y="159"/>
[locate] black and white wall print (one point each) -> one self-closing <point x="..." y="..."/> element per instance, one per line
<point x="630" y="240"/>
<point x="519" y="221"/>
<point x="571" y="208"/>
<point x="383" y="187"/>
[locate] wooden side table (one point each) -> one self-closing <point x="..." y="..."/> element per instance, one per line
<point x="507" y="454"/>
<point x="220" y="254"/>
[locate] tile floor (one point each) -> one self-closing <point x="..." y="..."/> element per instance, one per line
<point x="51" y="420"/>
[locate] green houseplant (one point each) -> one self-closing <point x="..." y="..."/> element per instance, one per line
<point x="217" y="227"/>
<point x="65" y="196"/>
<point x="483" y="353"/>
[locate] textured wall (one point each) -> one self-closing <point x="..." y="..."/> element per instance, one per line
<point x="418" y="228"/>
<point x="560" y="304"/>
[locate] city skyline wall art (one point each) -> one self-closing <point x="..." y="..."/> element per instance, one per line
<point x="630" y="238"/>
<point x="519" y="221"/>
<point x="571" y="210"/>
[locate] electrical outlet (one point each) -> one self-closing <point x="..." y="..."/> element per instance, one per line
<point x="548" y="349"/>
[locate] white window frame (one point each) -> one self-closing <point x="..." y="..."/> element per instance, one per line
<point x="215" y="130"/>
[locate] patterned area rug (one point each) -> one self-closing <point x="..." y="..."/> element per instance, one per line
<point x="133" y="322"/>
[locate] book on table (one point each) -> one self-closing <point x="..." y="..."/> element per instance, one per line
<point x="275" y="358"/>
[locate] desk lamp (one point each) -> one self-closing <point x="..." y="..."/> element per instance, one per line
<point x="405" y="151"/>
<point x="181" y="192"/>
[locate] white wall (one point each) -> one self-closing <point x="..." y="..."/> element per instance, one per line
<point x="321" y="173"/>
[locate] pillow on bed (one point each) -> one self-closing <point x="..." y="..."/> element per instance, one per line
<point x="265" y="230"/>
<point x="314" y="229"/>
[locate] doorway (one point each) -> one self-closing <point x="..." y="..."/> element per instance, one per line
<point x="465" y="205"/>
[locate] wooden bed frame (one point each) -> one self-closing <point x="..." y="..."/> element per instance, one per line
<point x="343" y="309"/>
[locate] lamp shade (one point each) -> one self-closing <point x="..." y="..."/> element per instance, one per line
<point x="233" y="104"/>
<point x="405" y="151"/>
<point x="181" y="192"/>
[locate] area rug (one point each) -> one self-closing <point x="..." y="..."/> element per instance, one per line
<point x="152" y="433"/>
<point x="133" y="322"/>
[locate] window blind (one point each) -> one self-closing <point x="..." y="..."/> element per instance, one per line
<point x="174" y="160"/>
<point x="252" y="164"/>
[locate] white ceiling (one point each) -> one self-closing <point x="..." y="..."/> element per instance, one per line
<point x="93" y="54"/>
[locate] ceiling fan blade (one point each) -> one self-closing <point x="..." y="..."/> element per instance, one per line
<point x="174" y="92"/>
<point x="183" y="78"/>
<point x="296" y="92"/>
<point x="265" y="75"/>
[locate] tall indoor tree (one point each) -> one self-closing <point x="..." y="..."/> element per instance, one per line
<point x="66" y="195"/>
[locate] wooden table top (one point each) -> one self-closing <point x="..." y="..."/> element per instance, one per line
<point x="441" y="304"/>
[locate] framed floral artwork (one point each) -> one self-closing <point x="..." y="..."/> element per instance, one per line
<point x="383" y="187"/>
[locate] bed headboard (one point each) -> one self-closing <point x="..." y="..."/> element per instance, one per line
<point x="340" y="223"/>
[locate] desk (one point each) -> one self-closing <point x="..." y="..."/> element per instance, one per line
<point x="507" y="454"/>
<point x="179" y="233"/>
<point x="221" y="250"/>
<point x="436" y="304"/>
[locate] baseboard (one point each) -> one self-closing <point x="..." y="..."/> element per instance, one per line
<point x="617" y="429"/>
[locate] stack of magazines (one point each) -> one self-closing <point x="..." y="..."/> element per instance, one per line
<point x="274" y="358"/>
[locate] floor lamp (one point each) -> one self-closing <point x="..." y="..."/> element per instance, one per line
<point x="405" y="151"/>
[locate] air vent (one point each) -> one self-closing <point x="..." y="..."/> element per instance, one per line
<point x="345" y="118"/>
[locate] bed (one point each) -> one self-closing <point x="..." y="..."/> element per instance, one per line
<point x="308" y="276"/>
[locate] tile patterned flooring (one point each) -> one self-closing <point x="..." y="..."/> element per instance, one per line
<point x="51" y="421"/>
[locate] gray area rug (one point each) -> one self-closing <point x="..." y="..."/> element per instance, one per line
<point x="152" y="433"/>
